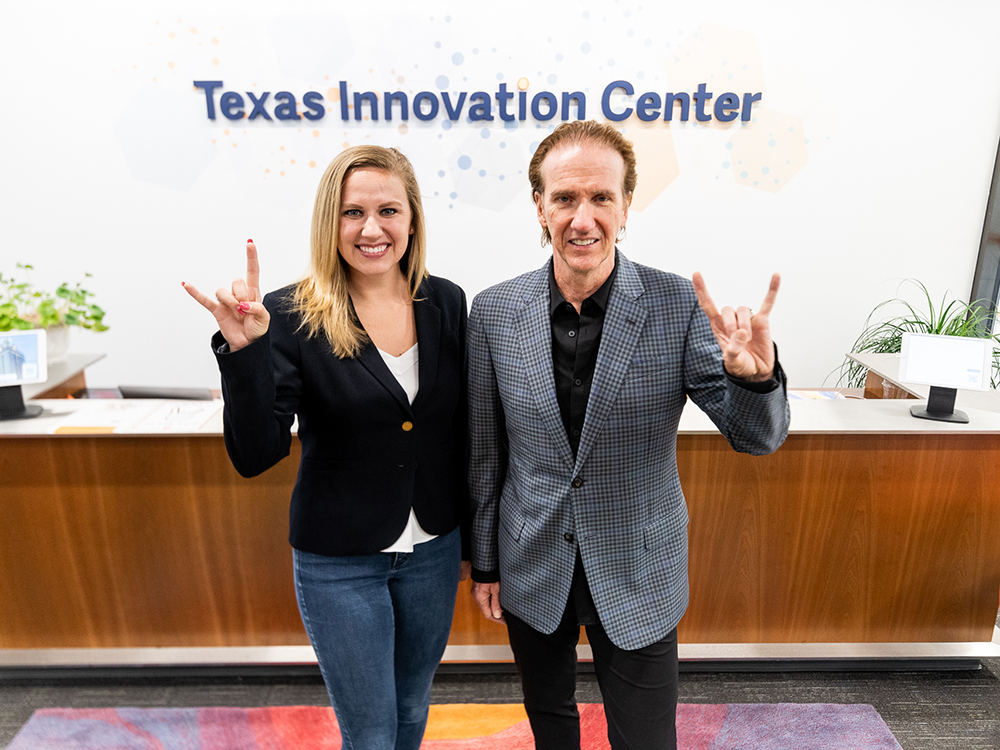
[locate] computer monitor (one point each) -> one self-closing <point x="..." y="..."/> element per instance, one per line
<point x="945" y="363"/>
<point x="23" y="360"/>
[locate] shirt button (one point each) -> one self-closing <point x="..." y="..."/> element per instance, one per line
<point x="571" y="334"/>
<point x="569" y="306"/>
<point x="407" y="426"/>
<point x="576" y="433"/>
<point x="568" y="537"/>
<point x="578" y="382"/>
<point x="577" y="482"/>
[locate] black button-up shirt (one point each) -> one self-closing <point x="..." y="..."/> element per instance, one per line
<point x="576" y="339"/>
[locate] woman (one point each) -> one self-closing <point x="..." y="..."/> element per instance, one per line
<point x="380" y="494"/>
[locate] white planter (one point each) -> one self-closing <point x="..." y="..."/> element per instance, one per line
<point x="57" y="343"/>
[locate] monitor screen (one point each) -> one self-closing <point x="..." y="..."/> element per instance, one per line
<point x="946" y="361"/>
<point x="22" y="357"/>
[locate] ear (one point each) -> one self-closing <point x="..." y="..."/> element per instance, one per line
<point x="628" y="202"/>
<point x="538" y="206"/>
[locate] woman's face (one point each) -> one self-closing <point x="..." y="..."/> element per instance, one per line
<point x="375" y="222"/>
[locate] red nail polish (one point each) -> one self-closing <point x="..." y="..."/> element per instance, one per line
<point x="249" y="241"/>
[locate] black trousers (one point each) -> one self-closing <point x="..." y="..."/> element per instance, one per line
<point x="639" y="687"/>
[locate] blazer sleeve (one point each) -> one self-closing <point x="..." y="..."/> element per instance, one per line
<point x="261" y="387"/>
<point x="753" y="421"/>
<point x="487" y="449"/>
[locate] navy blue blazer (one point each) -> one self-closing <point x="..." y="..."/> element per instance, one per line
<point x="368" y="456"/>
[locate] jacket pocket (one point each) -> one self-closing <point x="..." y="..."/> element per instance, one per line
<point x="656" y="534"/>
<point x="512" y="523"/>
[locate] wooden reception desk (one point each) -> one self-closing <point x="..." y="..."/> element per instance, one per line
<point x="869" y="533"/>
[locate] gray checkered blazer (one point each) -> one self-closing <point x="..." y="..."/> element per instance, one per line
<point x="620" y="501"/>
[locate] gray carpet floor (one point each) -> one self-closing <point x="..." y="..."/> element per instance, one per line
<point x="925" y="710"/>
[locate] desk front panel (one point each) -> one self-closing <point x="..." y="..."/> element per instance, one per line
<point x="156" y="541"/>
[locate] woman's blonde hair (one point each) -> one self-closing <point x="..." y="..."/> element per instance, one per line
<point x="322" y="298"/>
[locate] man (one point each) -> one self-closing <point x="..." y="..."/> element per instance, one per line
<point x="577" y="377"/>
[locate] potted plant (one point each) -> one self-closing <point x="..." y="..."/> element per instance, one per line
<point x="954" y="318"/>
<point x="22" y="307"/>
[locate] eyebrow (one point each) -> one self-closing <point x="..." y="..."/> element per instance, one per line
<point x="387" y="204"/>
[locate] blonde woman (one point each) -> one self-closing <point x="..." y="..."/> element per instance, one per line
<point x="369" y="352"/>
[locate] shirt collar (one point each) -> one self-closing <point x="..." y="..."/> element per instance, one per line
<point x="600" y="296"/>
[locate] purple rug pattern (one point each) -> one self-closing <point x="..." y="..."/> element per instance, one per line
<point x="737" y="726"/>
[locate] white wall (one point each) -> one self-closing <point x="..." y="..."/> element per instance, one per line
<point x="111" y="166"/>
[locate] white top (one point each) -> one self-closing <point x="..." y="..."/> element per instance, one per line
<point x="404" y="369"/>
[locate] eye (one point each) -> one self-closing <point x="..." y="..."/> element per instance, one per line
<point x="389" y="211"/>
<point x="352" y="212"/>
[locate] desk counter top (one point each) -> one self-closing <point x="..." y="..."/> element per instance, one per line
<point x="153" y="417"/>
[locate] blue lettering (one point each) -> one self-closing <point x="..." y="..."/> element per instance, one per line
<point x="536" y="110"/>
<point x="668" y="106"/>
<point x="581" y="105"/>
<point x="453" y="112"/>
<point x="404" y="105"/>
<point x="522" y="103"/>
<point x="286" y="110"/>
<point x="748" y="100"/>
<point x="209" y="87"/>
<point x="313" y="101"/>
<point x="419" y="99"/>
<point x="258" y="105"/>
<point x="232" y="105"/>
<point x="368" y="96"/>
<point x="648" y="107"/>
<point x="343" y="100"/>
<point x="724" y="107"/>
<point x="701" y="97"/>
<point x="503" y="96"/>
<point x="606" y="101"/>
<point x="480" y="111"/>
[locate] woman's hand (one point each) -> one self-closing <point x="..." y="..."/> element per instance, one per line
<point x="241" y="317"/>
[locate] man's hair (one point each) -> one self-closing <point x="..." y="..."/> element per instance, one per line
<point x="574" y="133"/>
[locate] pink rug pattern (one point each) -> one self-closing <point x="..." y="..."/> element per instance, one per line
<point x="737" y="726"/>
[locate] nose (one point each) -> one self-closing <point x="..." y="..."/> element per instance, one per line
<point x="583" y="218"/>
<point x="371" y="227"/>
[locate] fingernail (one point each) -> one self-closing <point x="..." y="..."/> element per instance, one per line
<point x="183" y="284"/>
<point x="242" y="313"/>
<point x="244" y="307"/>
<point x="249" y="242"/>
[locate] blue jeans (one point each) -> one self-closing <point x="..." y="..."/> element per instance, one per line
<point x="379" y="625"/>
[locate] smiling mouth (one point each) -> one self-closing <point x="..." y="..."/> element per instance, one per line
<point x="582" y="243"/>
<point x="372" y="251"/>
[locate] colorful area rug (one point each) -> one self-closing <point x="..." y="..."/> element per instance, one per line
<point x="738" y="726"/>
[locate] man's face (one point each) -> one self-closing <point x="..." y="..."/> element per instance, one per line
<point x="582" y="207"/>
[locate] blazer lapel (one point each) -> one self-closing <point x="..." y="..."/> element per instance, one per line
<point x="428" y="317"/>
<point x="622" y="327"/>
<point x="534" y="333"/>
<point x="375" y="365"/>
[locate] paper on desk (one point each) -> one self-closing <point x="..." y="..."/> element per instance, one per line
<point x="816" y="395"/>
<point x="175" y="416"/>
<point x="103" y="416"/>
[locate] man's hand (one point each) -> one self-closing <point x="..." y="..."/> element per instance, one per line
<point x="487" y="596"/>
<point x="744" y="336"/>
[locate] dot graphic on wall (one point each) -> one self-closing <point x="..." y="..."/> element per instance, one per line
<point x="522" y="84"/>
